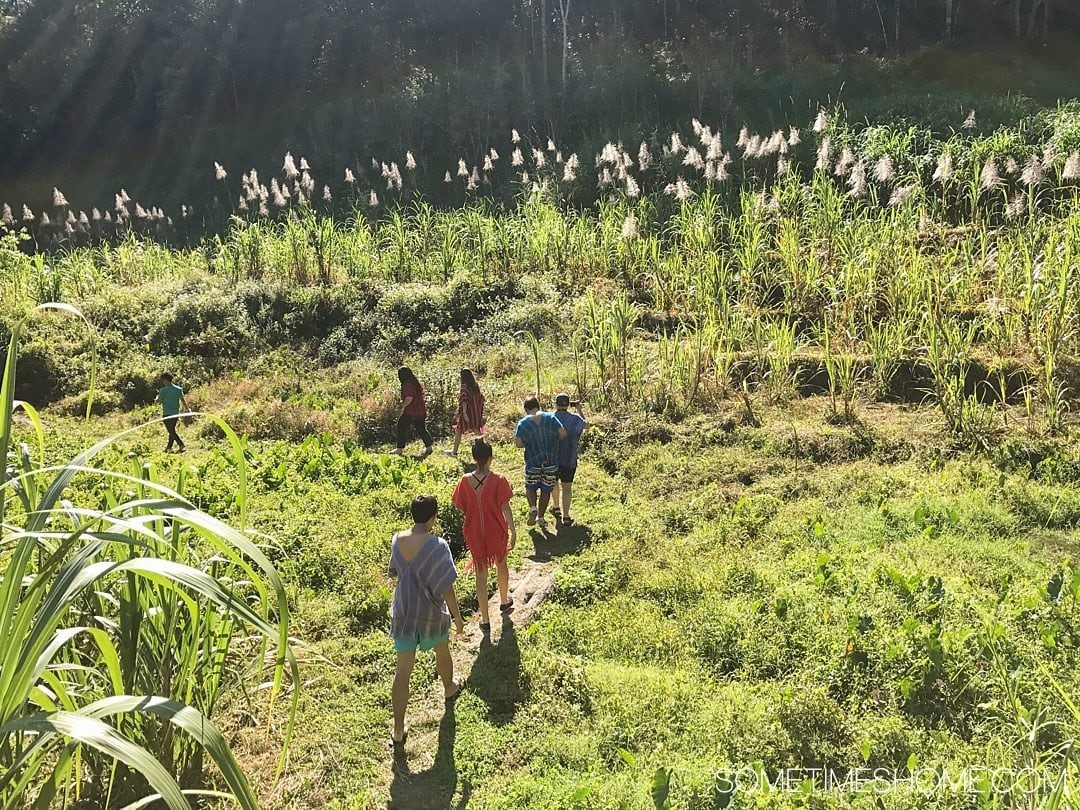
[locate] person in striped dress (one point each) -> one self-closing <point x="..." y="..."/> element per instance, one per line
<point x="470" y="412"/>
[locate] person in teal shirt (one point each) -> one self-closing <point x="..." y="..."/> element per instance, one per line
<point x="171" y="397"/>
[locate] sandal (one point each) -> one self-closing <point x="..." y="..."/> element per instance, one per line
<point x="507" y="607"/>
<point x="459" y="682"/>
<point x="399" y="745"/>
<point x="485" y="628"/>
<point x="532" y="518"/>
<point x="569" y="521"/>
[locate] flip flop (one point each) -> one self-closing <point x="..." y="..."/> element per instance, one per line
<point x="507" y="607"/>
<point x="459" y="682"/>
<point x="485" y="627"/>
<point x="568" y="522"/>
<point x="532" y="518"/>
<point x="399" y="745"/>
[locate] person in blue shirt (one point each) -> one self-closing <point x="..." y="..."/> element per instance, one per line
<point x="574" y="424"/>
<point x="539" y="434"/>
<point x="171" y="397"/>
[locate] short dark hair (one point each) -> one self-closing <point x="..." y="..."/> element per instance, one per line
<point x="562" y="400"/>
<point x="167" y="377"/>
<point x="424" y="508"/>
<point x="481" y="451"/>
<point x="531" y="404"/>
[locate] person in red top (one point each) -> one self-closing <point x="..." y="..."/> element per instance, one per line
<point x="483" y="497"/>
<point x="413" y="411"/>
<point x="470" y="413"/>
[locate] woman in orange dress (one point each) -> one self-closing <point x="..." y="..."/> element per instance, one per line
<point x="484" y="497"/>
<point x="470" y="412"/>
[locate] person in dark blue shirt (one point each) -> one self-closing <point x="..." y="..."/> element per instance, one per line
<point x="574" y="424"/>
<point x="539" y="434"/>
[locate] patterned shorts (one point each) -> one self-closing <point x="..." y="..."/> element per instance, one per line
<point x="541" y="478"/>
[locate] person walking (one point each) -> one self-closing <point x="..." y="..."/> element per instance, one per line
<point x="470" y="412"/>
<point x="574" y="424"/>
<point x="483" y="497"/>
<point x="423" y="605"/>
<point x="413" y="412"/>
<point x="539" y="434"/>
<point x="171" y="397"/>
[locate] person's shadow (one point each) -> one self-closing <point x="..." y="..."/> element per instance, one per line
<point x="567" y="540"/>
<point x="435" y="786"/>
<point x="496" y="676"/>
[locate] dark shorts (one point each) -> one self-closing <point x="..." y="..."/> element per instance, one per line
<point x="566" y="474"/>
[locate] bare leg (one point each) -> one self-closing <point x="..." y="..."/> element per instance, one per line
<point x="567" y="492"/>
<point x="444" y="664"/>
<point x="502" y="573"/>
<point x="457" y="440"/>
<point x="481" y="593"/>
<point x="544" y="498"/>
<point x="400" y="692"/>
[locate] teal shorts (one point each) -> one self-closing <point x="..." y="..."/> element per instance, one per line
<point x="413" y="643"/>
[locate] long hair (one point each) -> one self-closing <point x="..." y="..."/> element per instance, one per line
<point x="405" y="375"/>
<point x="469" y="381"/>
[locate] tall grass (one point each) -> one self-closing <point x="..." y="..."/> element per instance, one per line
<point x="124" y="619"/>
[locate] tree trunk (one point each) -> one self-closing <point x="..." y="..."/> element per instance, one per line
<point x="564" y="15"/>
<point x="1046" y="22"/>
<point x="1035" y="6"/>
<point x="949" y="19"/>
<point x="1016" y="19"/>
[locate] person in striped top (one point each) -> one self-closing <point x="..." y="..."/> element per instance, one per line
<point x="539" y="433"/>
<point x="423" y="605"/>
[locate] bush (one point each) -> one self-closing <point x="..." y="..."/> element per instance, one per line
<point x="204" y="324"/>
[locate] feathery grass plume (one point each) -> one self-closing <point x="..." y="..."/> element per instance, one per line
<point x="754" y="147"/>
<point x="644" y="159"/>
<point x="969" y="122"/>
<point x="395" y="176"/>
<point x="744" y="138"/>
<point x="350" y="178"/>
<point x="781" y="166"/>
<point x="373" y="199"/>
<point x="605" y="180"/>
<point x="447" y="178"/>
<point x="95" y="215"/>
<point x="629" y="227"/>
<point x="140" y="212"/>
<point x="84" y="220"/>
<point x="27" y="214"/>
<point x="118" y="203"/>
<point x="374" y="164"/>
<point x="821" y="122"/>
<point x="277" y="197"/>
<point x="304" y="167"/>
<point x="693" y="158"/>
<point x="516" y="158"/>
<point x="1072" y="167"/>
<point x="264" y="195"/>
<point x="493" y="154"/>
<point x="989" y="177"/>
<point x="676" y="143"/>
<point x="70" y="218"/>
<point x="514" y="136"/>
<point x="289" y="166"/>
<point x="716" y="148"/>
<point x="550" y="145"/>
<point x="901" y="194"/>
<point x="488" y="165"/>
<point x="844" y="164"/>
<point x="722" y="168"/>
<point x="683" y="191"/>
<point x="45" y="221"/>
<point x="108" y="216"/>
<point x="124" y="197"/>
<point x="885" y="169"/>
<point x="609" y="154"/>
<point x="1033" y="172"/>
<point x="384" y="171"/>
<point x="538" y="159"/>
<point x="1015" y="207"/>
<point x="558" y="158"/>
<point x="710" y="171"/>
<point x="568" y="175"/>
<point x="6" y="217"/>
<point x="410" y="161"/>
<point x="824" y="155"/>
<point x="525" y="177"/>
<point x="1049" y="154"/>
<point x="1011" y="166"/>
<point x="474" y="180"/>
<point x="307" y="183"/>
<point x="705" y="137"/>
<point x="242" y="204"/>
<point x="696" y="126"/>
<point x="944" y="171"/>
<point x="462" y="169"/>
<point x="793" y="136"/>
<point x="285" y="191"/>
<point x="633" y="190"/>
<point x="326" y="195"/>
<point x="777" y="144"/>
<point x="58" y="199"/>
<point x="219" y="171"/>
<point x="68" y="230"/>
<point x="857" y="180"/>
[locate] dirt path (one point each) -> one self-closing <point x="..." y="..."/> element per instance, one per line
<point x="425" y="776"/>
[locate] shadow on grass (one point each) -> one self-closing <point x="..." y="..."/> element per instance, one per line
<point x="496" y="675"/>
<point x="548" y="546"/>
<point x="435" y="786"/>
